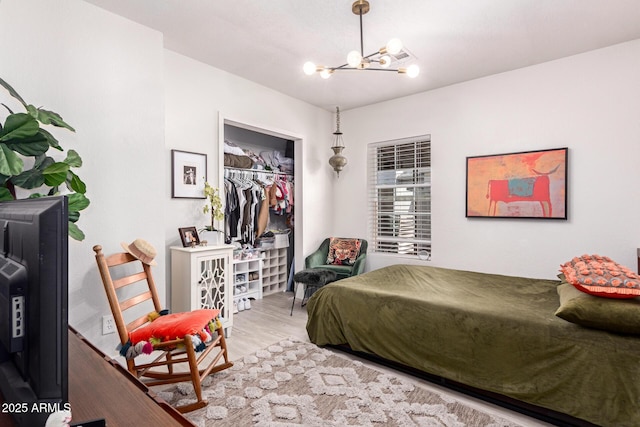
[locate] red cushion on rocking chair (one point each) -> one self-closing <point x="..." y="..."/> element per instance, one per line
<point x="175" y="326"/>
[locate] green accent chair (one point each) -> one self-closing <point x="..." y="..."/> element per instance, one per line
<point x="318" y="259"/>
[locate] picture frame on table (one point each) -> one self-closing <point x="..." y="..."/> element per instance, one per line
<point x="188" y="174"/>
<point x="528" y="184"/>
<point x="189" y="236"/>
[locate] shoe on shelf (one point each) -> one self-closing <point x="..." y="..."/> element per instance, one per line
<point x="235" y="306"/>
<point x="241" y="306"/>
<point x="247" y="303"/>
<point x="243" y="289"/>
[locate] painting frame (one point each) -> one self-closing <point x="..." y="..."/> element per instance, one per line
<point x="189" y="236"/>
<point x="188" y="174"/>
<point x="525" y="184"/>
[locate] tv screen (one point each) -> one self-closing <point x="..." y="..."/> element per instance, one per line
<point x="33" y="308"/>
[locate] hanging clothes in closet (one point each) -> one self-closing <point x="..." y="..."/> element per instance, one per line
<point x="250" y="196"/>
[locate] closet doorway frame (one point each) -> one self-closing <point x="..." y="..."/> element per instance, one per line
<point x="298" y="148"/>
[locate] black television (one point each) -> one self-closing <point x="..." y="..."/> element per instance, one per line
<point x="34" y="308"/>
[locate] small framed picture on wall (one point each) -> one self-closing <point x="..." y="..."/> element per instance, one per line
<point x="188" y="174"/>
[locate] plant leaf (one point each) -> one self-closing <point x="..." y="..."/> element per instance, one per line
<point x="77" y="202"/>
<point x="42" y="162"/>
<point x="29" y="179"/>
<point x="53" y="142"/>
<point x="55" y="174"/>
<point x="8" y="109"/>
<point x="30" y="146"/>
<point x="33" y="111"/>
<point x="19" y="125"/>
<point x="74" y="183"/>
<point x="74" y="216"/>
<point x="73" y="159"/>
<point x="12" y="92"/>
<point x="10" y="163"/>
<point x="5" y="194"/>
<point x="50" y="118"/>
<point x="75" y="232"/>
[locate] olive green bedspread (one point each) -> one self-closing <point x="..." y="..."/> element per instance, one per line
<point x="493" y="332"/>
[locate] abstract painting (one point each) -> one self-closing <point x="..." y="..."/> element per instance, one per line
<point x="530" y="184"/>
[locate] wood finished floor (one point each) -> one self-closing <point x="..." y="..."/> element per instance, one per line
<point x="269" y="321"/>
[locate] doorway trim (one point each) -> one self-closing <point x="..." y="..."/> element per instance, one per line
<point x="298" y="140"/>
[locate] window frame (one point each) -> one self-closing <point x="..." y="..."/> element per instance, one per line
<point x="409" y="234"/>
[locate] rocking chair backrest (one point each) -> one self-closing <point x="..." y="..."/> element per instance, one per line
<point x="119" y="307"/>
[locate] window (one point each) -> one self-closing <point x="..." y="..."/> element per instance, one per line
<point x="400" y="196"/>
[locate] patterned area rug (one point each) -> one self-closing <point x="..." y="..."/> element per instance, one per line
<point x="294" y="383"/>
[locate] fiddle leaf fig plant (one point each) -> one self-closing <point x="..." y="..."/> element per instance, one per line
<point x="22" y="137"/>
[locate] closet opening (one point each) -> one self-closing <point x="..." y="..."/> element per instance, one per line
<point x="259" y="181"/>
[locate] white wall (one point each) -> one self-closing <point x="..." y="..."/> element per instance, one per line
<point x="131" y="102"/>
<point x="589" y="103"/>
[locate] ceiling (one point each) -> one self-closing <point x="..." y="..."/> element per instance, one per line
<point x="452" y="41"/>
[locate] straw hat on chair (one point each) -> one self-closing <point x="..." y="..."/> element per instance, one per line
<point x="142" y="250"/>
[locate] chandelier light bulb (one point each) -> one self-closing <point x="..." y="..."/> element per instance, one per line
<point x="385" y="61"/>
<point x="413" y="70"/>
<point x="394" y="46"/>
<point x="309" y="68"/>
<point x="326" y="73"/>
<point x="354" y="58"/>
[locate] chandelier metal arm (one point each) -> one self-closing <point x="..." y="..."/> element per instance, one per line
<point x="346" y="66"/>
<point x="341" y="67"/>
<point x="370" y="55"/>
<point x="395" y="70"/>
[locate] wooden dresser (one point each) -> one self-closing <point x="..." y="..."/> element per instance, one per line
<point x="101" y="388"/>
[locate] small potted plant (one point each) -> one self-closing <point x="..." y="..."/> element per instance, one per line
<point x="214" y="208"/>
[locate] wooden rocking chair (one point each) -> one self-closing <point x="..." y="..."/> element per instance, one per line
<point x="173" y="352"/>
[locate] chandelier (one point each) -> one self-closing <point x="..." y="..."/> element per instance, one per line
<point x="338" y="161"/>
<point x="356" y="60"/>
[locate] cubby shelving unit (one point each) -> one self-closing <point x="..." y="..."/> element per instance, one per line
<point x="274" y="271"/>
<point x="247" y="278"/>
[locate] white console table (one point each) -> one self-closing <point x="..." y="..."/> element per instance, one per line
<point x="202" y="277"/>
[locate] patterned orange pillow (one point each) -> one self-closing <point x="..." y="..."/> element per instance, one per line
<point x="343" y="251"/>
<point x="601" y="276"/>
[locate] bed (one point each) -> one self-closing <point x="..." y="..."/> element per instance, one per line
<point x="494" y="333"/>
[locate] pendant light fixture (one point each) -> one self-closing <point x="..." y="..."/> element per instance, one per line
<point x="376" y="61"/>
<point x="338" y="160"/>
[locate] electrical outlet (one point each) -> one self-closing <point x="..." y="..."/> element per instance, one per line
<point x="108" y="324"/>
